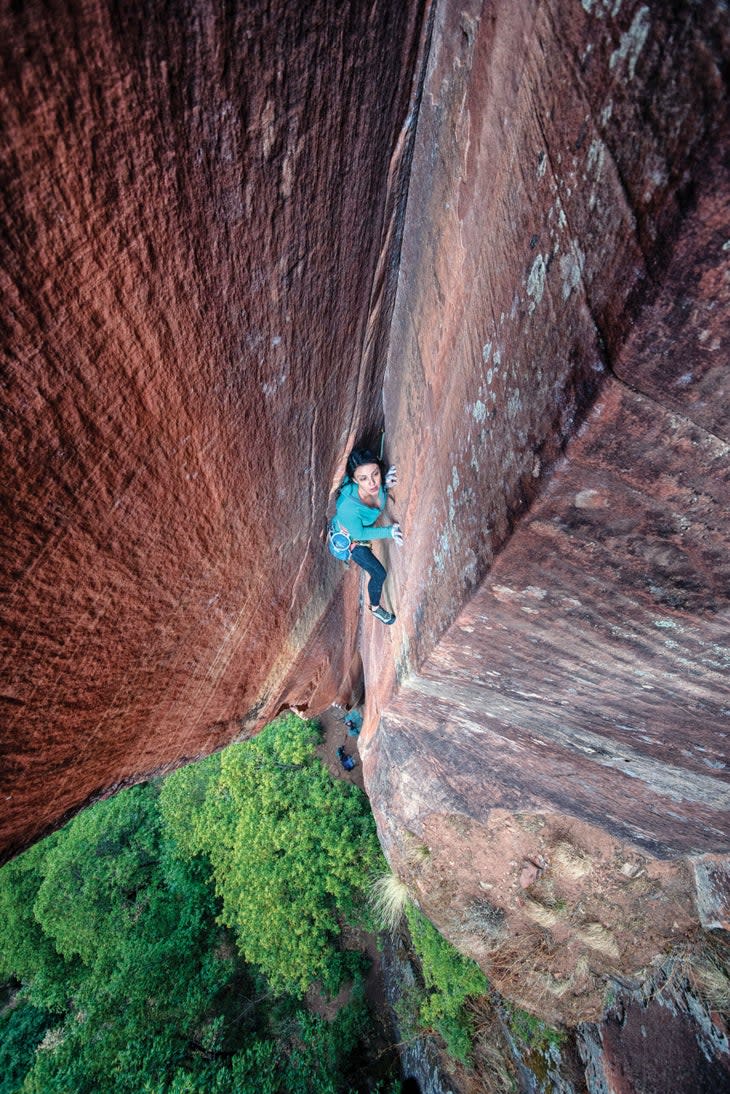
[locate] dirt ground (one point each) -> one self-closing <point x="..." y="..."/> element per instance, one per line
<point x="335" y="734"/>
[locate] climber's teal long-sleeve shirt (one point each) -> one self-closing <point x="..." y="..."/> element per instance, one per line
<point x="358" y="518"/>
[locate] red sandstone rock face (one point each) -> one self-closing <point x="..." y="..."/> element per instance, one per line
<point x="678" y="353"/>
<point x="554" y="767"/>
<point x="556" y="144"/>
<point x="565" y="742"/>
<point x="200" y="224"/>
<point x="193" y="205"/>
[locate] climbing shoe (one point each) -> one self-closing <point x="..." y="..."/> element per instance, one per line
<point x="383" y="615"/>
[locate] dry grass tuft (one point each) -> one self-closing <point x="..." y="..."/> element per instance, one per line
<point x="553" y="985"/>
<point x="517" y="964"/>
<point x="569" y="862"/>
<point x="546" y="917"/>
<point x="597" y="937"/>
<point x="712" y="980"/>
<point x="416" y="852"/>
<point x="492" y="1058"/>
<point x="388" y="899"/>
<point x="485" y="920"/>
<point x="707" y="971"/>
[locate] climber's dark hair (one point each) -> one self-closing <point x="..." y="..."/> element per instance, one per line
<point x="358" y="458"/>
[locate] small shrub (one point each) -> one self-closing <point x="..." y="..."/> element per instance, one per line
<point x="451" y="980"/>
<point x="535" y="1035"/>
<point x="484" y="919"/>
<point x="388" y="899"/>
<point x="408" y="1011"/>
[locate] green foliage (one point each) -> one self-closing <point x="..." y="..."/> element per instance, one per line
<point x="306" y="1054"/>
<point x="22" y="1027"/>
<point x="291" y="851"/>
<point x="408" y="1011"/>
<point x="127" y="940"/>
<point x="451" y="979"/>
<point x="101" y="865"/>
<point x="26" y="950"/>
<point x="131" y="982"/>
<point x="182" y="800"/>
<point x="535" y="1035"/>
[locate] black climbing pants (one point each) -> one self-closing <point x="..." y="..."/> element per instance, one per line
<point x="365" y="558"/>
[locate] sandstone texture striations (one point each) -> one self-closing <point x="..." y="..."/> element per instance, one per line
<point x="547" y="742"/>
<point x="195" y="204"/>
<point x="213" y="283"/>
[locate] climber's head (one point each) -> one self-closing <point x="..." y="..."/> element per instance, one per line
<point x="364" y="470"/>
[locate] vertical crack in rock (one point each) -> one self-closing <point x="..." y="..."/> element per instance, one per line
<point x="382" y="293"/>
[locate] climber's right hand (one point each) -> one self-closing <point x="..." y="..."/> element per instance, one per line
<point x="396" y="533"/>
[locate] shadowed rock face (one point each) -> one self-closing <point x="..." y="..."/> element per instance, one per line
<point x="551" y="772"/>
<point x="662" y="1043"/>
<point x="193" y="209"/>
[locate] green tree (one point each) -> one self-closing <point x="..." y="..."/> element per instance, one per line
<point x="26" y="950"/>
<point x="291" y="849"/>
<point x="135" y="925"/>
<point x="114" y="927"/>
<point x="303" y="1055"/>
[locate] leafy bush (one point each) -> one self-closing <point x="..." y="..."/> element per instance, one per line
<point x="451" y="979"/>
<point x="407" y="1009"/>
<point x="291" y="851"/>
<point x="22" y="1028"/>
<point x="130" y="980"/>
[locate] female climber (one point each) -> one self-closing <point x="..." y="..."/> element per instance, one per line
<point x="360" y="502"/>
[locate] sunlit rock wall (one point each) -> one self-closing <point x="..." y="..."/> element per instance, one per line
<point x="552" y="775"/>
<point x="197" y="208"/>
<point x="559" y="146"/>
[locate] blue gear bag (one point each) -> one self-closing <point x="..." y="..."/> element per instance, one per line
<point x="339" y="541"/>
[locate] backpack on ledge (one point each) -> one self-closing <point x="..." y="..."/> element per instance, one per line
<point x="339" y="541"/>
